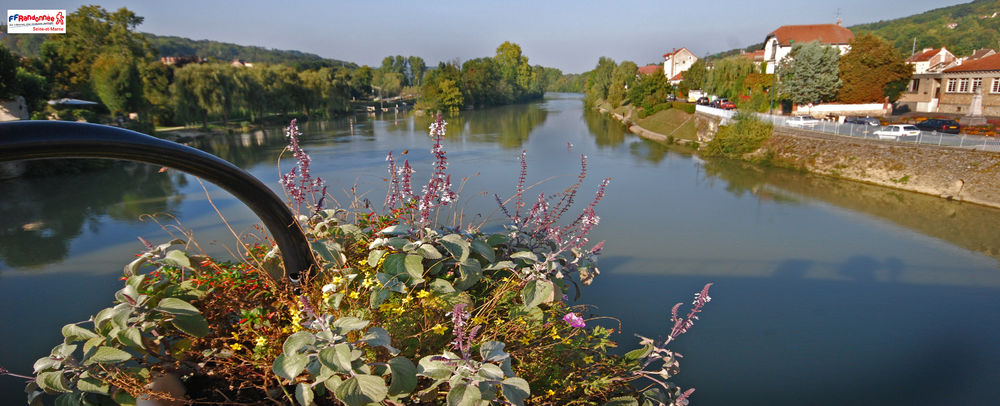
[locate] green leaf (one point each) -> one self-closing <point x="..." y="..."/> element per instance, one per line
<point x="378" y="337"/>
<point x="434" y="369"/>
<point x="488" y="391"/>
<point x="397" y="229"/>
<point x="415" y="268"/>
<point x="177" y="258"/>
<point x="63" y="351"/>
<point x="622" y="401"/>
<point x="515" y="390"/>
<point x="361" y="390"/>
<point x="469" y="273"/>
<point x="105" y="355"/>
<point x="492" y="351"/>
<point x="639" y="353"/>
<point x="135" y="281"/>
<point x="74" y="333"/>
<point x="404" y="376"/>
<point x="378" y="297"/>
<point x="428" y="251"/>
<point x="133" y="267"/>
<point x="496" y="239"/>
<point x="304" y="394"/>
<point x="69" y="399"/>
<point x="328" y="251"/>
<point x="501" y="265"/>
<point x="131" y="337"/>
<point x="392" y="283"/>
<point x="441" y="286"/>
<point x="527" y="256"/>
<point x="177" y="307"/>
<point x="464" y="394"/>
<point x="346" y="325"/>
<point x="52" y="382"/>
<point x="290" y="366"/>
<point x="129" y="294"/>
<point x="89" y="384"/>
<point x="536" y="292"/>
<point x="457" y="246"/>
<point x="123" y="398"/>
<point x="395" y="266"/>
<point x="484" y="250"/>
<point x="296" y="341"/>
<point x="45" y="363"/>
<point x="194" y="325"/>
<point x="374" y="257"/>
<point x="332" y="383"/>
<point x="491" y="372"/>
<point x="337" y="358"/>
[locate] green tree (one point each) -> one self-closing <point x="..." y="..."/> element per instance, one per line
<point x="650" y="90"/>
<point x="417" y="70"/>
<point x="156" y="79"/>
<point x="599" y="80"/>
<point x="727" y="76"/>
<point x="117" y="83"/>
<point x="8" y="73"/>
<point x="34" y="88"/>
<point x="450" y="95"/>
<point x="809" y="74"/>
<point x="622" y="78"/>
<point x="695" y="76"/>
<point x="871" y="71"/>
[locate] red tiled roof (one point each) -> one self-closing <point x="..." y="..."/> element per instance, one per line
<point x="979" y="53"/>
<point x="923" y="56"/>
<point x="757" y="55"/>
<point x="991" y="62"/>
<point x="679" y="76"/>
<point x="650" y="70"/>
<point x="674" y="52"/>
<point x="827" y="34"/>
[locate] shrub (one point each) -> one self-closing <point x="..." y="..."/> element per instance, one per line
<point x="399" y="311"/>
<point x="685" y="107"/>
<point x="746" y="135"/>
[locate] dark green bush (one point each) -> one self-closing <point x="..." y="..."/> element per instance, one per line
<point x="685" y="107"/>
<point x="746" y="135"/>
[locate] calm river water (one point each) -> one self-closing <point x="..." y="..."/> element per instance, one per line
<point x="826" y="292"/>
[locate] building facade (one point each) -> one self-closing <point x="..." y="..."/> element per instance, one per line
<point x="778" y="44"/>
<point x="678" y="61"/>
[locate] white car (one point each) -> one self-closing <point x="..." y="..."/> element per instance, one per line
<point x="802" y="121"/>
<point x="893" y="132"/>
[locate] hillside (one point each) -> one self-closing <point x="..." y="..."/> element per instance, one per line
<point x="976" y="25"/>
<point x="30" y="45"/>
<point x="960" y="28"/>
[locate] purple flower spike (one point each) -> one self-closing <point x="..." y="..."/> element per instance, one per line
<point x="574" y="320"/>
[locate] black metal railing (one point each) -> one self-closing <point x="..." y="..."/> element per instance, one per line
<point x="27" y="140"/>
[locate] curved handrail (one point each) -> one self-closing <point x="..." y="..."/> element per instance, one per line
<point x="27" y="140"/>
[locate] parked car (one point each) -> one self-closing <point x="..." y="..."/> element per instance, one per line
<point x="727" y="105"/>
<point x="939" y="126"/>
<point x="702" y="101"/>
<point x="872" y="121"/>
<point x="891" y="132"/>
<point x="802" y="121"/>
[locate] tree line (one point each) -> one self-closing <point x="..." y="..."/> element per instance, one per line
<point x="813" y="73"/>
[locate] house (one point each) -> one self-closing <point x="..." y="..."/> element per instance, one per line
<point x="677" y="79"/>
<point x="931" y="59"/>
<point x="677" y="61"/>
<point x="757" y="57"/>
<point x="948" y="86"/>
<point x="180" y="60"/>
<point x="649" y="70"/>
<point x="778" y="44"/>
<point x="239" y="63"/>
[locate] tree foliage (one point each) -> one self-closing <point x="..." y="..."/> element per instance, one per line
<point x="871" y="71"/>
<point x="726" y="79"/>
<point x="976" y="26"/>
<point x="809" y="74"/>
<point x="696" y="76"/>
<point x="503" y="79"/>
<point x="599" y="80"/>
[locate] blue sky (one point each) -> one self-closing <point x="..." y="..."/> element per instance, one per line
<point x="569" y="35"/>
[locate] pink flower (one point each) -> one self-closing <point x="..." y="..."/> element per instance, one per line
<point x="574" y="320"/>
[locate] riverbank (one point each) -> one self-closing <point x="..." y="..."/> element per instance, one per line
<point x="946" y="172"/>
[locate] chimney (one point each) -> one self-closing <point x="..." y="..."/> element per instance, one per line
<point x="839" y="22"/>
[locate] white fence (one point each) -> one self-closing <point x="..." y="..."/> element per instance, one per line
<point x="868" y="131"/>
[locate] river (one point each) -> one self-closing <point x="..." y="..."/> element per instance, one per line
<point x="826" y="292"/>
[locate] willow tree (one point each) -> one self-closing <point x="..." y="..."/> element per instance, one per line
<point x="872" y="70"/>
<point x="727" y="76"/>
<point x="809" y="74"/>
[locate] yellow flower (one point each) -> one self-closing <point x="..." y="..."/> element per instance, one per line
<point x="368" y="282"/>
<point x="589" y="359"/>
<point x="478" y="320"/>
<point x="236" y="336"/>
<point x="439" y="329"/>
<point x="422" y="294"/>
<point x="555" y="334"/>
<point x="399" y="310"/>
<point x="354" y="295"/>
<point x="550" y="392"/>
<point x="337" y="280"/>
<point x="326" y="296"/>
<point x="407" y="299"/>
<point x="260" y="341"/>
<point x="236" y="346"/>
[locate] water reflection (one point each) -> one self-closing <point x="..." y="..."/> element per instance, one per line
<point x="41" y="216"/>
<point x="607" y="131"/>
<point x="965" y="225"/>
<point x="507" y="126"/>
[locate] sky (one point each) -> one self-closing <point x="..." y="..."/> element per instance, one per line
<point x="567" y="34"/>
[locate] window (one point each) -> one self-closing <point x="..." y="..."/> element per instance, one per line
<point x="963" y="85"/>
<point x="977" y="83"/>
<point x="951" y="85"/>
<point x="995" y="88"/>
<point x="914" y="86"/>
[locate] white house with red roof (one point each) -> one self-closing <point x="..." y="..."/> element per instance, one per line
<point x="931" y="60"/>
<point x="778" y="44"/>
<point x="677" y="61"/>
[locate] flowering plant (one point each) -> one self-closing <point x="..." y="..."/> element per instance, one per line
<point x="399" y="311"/>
